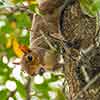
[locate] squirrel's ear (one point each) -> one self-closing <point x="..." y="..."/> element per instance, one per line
<point x="24" y="49"/>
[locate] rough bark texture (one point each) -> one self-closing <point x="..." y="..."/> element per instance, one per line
<point x="82" y="57"/>
<point x="79" y="28"/>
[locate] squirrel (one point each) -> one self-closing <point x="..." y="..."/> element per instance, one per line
<point x="37" y="60"/>
<point x="48" y="6"/>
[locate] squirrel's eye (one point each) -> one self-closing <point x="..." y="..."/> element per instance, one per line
<point x="30" y="58"/>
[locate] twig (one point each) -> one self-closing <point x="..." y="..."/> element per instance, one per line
<point x="85" y="74"/>
<point x="87" y="86"/>
<point x="28" y="97"/>
<point x="97" y="36"/>
<point x="11" y="94"/>
<point x="47" y="41"/>
<point x="21" y="8"/>
<point x="37" y="39"/>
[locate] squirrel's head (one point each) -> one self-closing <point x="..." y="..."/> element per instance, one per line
<point x="30" y="61"/>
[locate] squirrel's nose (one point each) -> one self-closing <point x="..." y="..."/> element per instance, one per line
<point x="41" y="71"/>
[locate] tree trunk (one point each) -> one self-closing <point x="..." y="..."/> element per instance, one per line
<point x="82" y="66"/>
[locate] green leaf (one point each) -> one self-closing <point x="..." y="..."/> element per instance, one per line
<point x="35" y="9"/>
<point x="3" y="94"/>
<point x="32" y="7"/>
<point x="10" y="52"/>
<point x="23" y="20"/>
<point x="1" y="3"/>
<point x="17" y="1"/>
<point x="90" y="7"/>
<point x="24" y="39"/>
<point x="42" y="88"/>
<point x="4" y="72"/>
<point x="96" y="6"/>
<point x="6" y="28"/>
<point x="21" y="89"/>
<point x="53" y="79"/>
<point x="60" y="95"/>
<point x="2" y="42"/>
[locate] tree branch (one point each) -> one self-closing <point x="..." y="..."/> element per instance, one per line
<point x="87" y="86"/>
